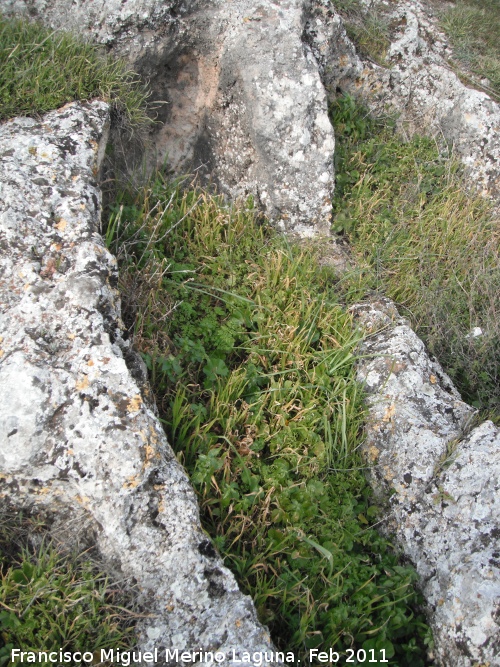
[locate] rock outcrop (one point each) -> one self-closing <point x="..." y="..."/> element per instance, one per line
<point x="418" y="84"/>
<point x="241" y="99"/>
<point x="443" y="480"/>
<point x="77" y="438"/>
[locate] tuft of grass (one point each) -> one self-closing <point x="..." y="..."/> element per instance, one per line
<point x="51" y="600"/>
<point x="473" y="27"/>
<point x="367" y="26"/>
<point x="252" y="362"/>
<point x="422" y="237"/>
<point x="41" y="70"/>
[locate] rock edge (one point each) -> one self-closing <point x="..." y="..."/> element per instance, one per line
<point x="77" y="438"/>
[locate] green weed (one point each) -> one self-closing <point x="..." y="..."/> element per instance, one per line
<point x="252" y="363"/>
<point x="41" y="70"/>
<point x="423" y="238"/>
<point x="473" y="27"/>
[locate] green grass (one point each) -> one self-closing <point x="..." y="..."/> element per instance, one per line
<point x="473" y="28"/>
<point x="422" y="237"/>
<point x="252" y="362"/>
<point x="42" y="70"/>
<point x="51" y="600"/>
<point x="367" y="27"/>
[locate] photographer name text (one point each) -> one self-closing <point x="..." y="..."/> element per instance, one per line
<point x="181" y="657"/>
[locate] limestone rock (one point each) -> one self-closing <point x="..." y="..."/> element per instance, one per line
<point x="126" y="25"/>
<point x="418" y="84"/>
<point x="77" y="438"/>
<point x="443" y="477"/>
<point x="242" y="103"/>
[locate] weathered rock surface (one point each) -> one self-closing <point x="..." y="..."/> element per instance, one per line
<point x="76" y="436"/>
<point x="418" y="84"/>
<point x="244" y="102"/>
<point x="115" y="23"/>
<point x="443" y="478"/>
<point x="442" y="475"/>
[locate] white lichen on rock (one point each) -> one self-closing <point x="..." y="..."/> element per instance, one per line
<point x="242" y="103"/>
<point x="418" y="85"/>
<point x="443" y="479"/>
<point x="245" y="103"/>
<point x="77" y="437"/>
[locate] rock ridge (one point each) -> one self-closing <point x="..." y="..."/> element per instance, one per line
<point x="442" y="475"/>
<point x="241" y="100"/>
<point x="418" y="85"/>
<point x="77" y="439"/>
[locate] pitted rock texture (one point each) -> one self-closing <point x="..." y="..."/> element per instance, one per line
<point x="418" y="84"/>
<point x="242" y="101"/>
<point x="274" y="138"/>
<point x="444" y="480"/>
<point x="77" y="438"/>
<point x="114" y="23"/>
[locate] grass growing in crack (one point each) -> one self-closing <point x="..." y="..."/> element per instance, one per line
<point x="41" y="70"/>
<point x="51" y="600"/>
<point x="423" y="238"/>
<point x="252" y="364"/>
<point x="473" y="28"/>
<point x="367" y="26"/>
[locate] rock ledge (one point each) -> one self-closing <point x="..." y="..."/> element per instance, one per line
<point x="77" y="438"/>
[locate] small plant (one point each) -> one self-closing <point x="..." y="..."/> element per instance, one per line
<point x="423" y="238"/>
<point x="252" y="361"/>
<point x="442" y="497"/>
<point x="51" y="601"/>
<point x="41" y="70"/>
